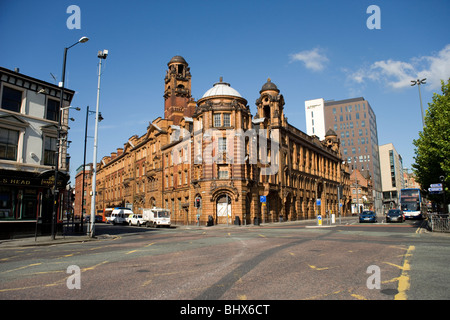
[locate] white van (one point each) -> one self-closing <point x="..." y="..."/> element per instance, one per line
<point x="119" y="215"/>
<point x="156" y="217"/>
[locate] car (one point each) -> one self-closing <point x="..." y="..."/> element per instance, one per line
<point x="98" y="218"/>
<point x="395" y="215"/>
<point x="136" y="220"/>
<point x="367" y="216"/>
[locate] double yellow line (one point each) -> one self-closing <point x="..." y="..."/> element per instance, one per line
<point x="404" y="280"/>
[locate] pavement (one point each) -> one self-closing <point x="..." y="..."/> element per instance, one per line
<point x="48" y="241"/>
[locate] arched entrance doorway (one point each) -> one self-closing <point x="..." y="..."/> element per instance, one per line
<point x="247" y="214"/>
<point x="223" y="209"/>
<point x="287" y="208"/>
<point x="274" y="205"/>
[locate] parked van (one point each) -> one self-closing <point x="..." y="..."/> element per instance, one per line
<point x="156" y="217"/>
<point x="119" y="215"/>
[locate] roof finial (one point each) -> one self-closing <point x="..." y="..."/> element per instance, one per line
<point x="221" y="79"/>
<point x="268" y="80"/>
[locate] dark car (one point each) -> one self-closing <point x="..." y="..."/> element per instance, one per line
<point x="367" y="216"/>
<point x="98" y="218"/>
<point x="395" y="215"/>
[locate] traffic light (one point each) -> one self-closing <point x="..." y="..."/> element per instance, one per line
<point x="197" y="203"/>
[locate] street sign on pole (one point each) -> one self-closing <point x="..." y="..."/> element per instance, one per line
<point x="436" y="185"/>
<point x="435" y="189"/>
<point x="318" y="202"/>
<point x="262" y="199"/>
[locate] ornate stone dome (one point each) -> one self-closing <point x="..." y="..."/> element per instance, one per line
<point x="330" y="133"/>
<point x="269" y="85"/>
<point x="178" y="59"/>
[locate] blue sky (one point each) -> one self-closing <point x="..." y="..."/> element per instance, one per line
<point x="310" y="49"/>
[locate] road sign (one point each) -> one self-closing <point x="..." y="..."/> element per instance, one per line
<point x="436" y="185"/>
<point x="435" y="189"/>
<point x="262" y="199"/>
<point x="318" y="202"/>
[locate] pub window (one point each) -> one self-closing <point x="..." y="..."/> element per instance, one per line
<point x="9" y="140"/>
<point x="11" y="99"/>
<point x="50" y="151"/>
<point x="52" y="110"/>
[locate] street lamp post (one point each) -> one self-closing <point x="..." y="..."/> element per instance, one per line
<point x="58" y="142"/>
<point x="101" y="55"/>
<point x="419" y="82"/>
<point x="84" y="162"/>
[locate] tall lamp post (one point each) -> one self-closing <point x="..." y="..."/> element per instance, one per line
<point x="101" y="55"/>
<point x="419" y="82"/>
<point x="58" y="142"/>
<point x="84" y="161"/>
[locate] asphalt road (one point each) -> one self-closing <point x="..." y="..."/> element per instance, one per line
<point x="280" y="261"/>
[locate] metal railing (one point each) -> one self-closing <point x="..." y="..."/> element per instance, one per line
<point x="439" y="222"/>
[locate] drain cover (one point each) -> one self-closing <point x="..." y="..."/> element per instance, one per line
<point x="389" y="292"/>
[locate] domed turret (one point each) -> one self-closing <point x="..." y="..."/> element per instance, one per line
<point x="330" y="133"/>
<point x="269" y="86"/>
<point x="177" y="59"/>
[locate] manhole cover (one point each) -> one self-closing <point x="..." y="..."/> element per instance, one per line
<point x="389" y="292"/>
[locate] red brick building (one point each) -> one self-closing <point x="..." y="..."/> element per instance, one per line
<point x="211" y="157"/>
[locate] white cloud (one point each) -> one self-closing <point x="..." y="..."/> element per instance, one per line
<point x="313" y="59"/>
<point x="398" y="74"/>
<point x="439" y="68"/>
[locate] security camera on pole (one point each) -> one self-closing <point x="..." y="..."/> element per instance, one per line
<point x="101" y="55"/>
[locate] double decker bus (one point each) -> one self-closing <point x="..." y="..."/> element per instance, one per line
<point x="412" y="203"/>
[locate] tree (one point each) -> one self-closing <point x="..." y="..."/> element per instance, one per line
<point x="432" y="159"/>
